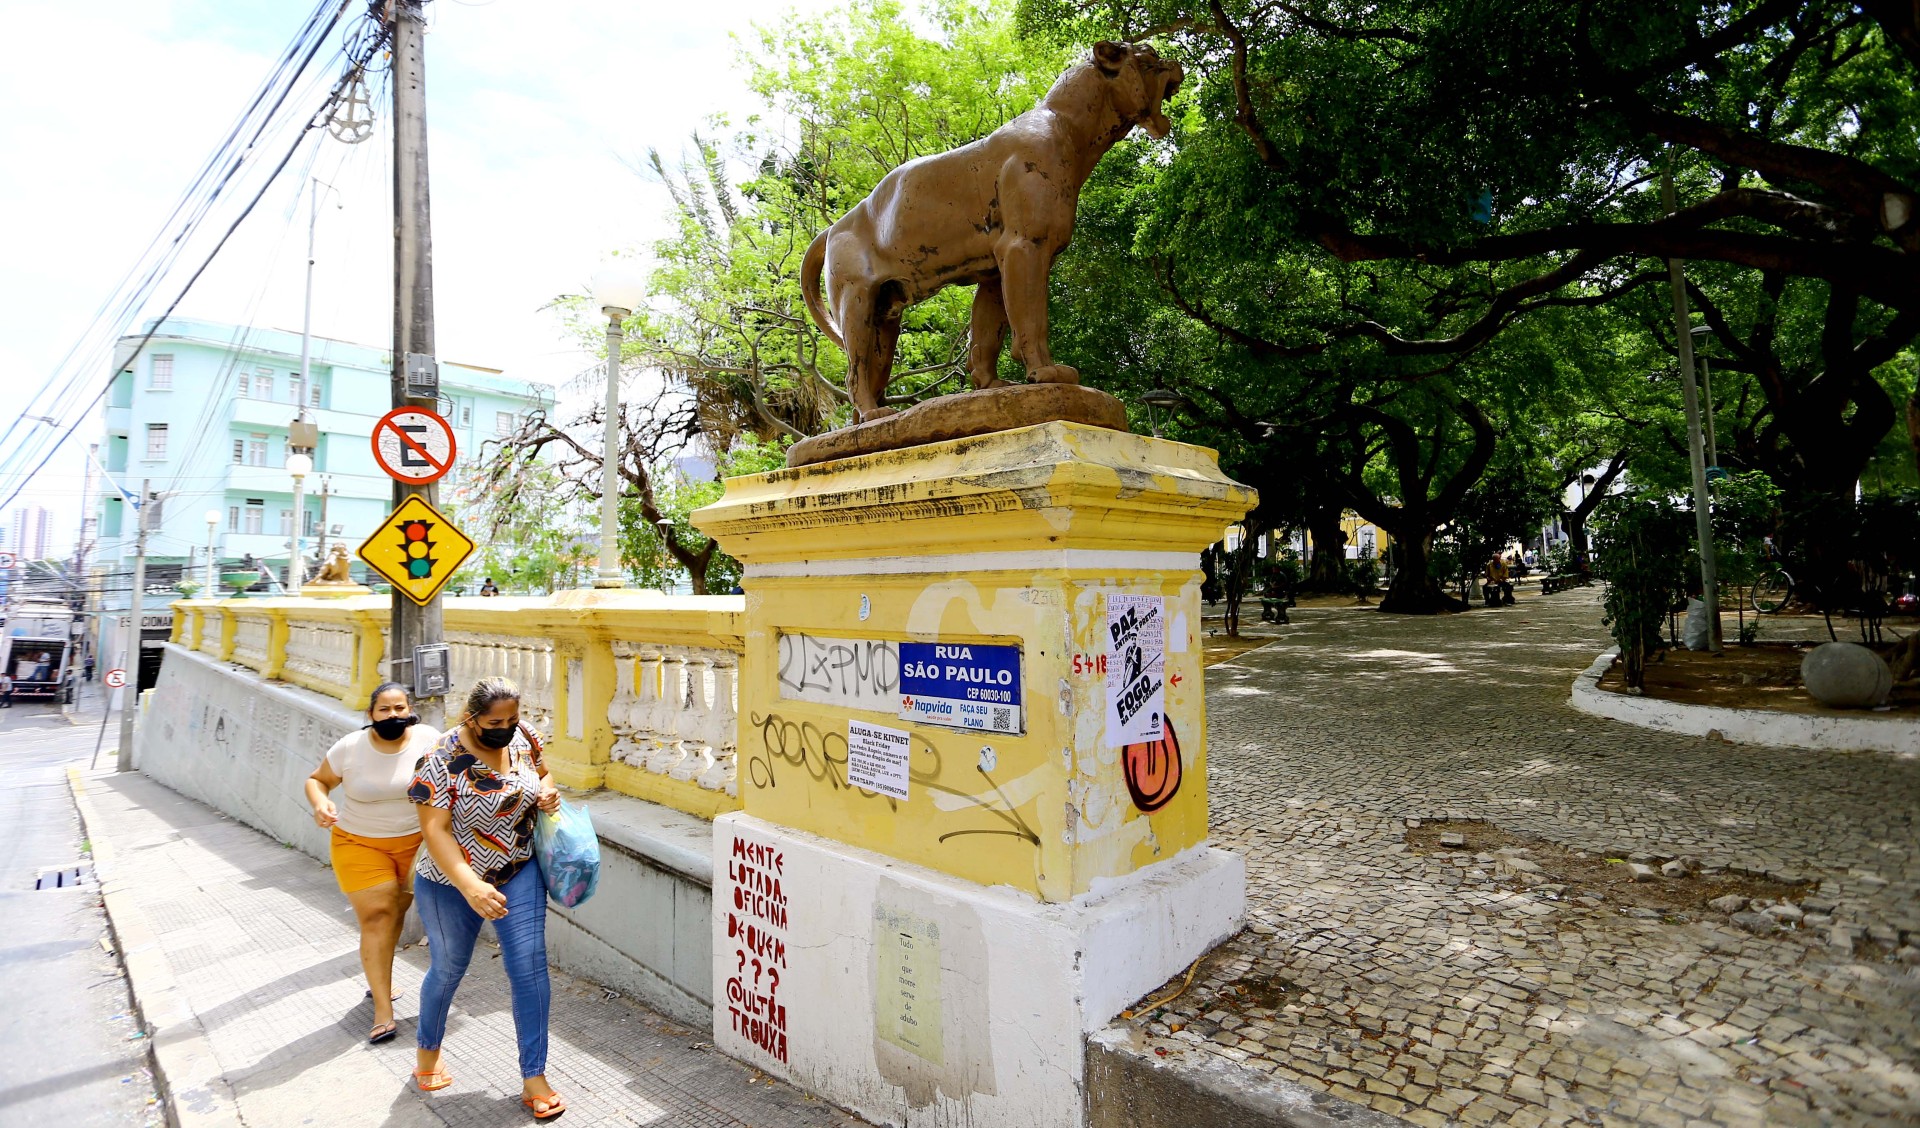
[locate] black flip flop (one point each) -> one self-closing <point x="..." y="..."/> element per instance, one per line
<point x="388" y="1034"/>
<point x="396" y="994"/>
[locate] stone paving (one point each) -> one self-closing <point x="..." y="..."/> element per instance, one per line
<point x="1440" y="989"/>
<point x="262" y="950"/>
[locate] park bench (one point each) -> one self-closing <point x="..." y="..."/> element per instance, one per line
<point x="1551" y="584"/>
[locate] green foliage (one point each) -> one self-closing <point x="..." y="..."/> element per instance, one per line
<point x="643" y="551"/>
<point x="1646" y="556"/>
<point x="530" y="539"/>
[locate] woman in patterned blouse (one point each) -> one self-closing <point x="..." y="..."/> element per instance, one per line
<point x="477" y="792"/>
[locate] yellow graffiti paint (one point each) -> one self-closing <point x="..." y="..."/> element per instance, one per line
<point x="1017" y="539"/>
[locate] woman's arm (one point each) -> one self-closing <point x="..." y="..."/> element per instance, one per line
<point x="436" y="826"/>
<point x="549" y="797"/>
<point x="319" y="785"/>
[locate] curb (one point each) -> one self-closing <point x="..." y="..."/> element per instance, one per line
<point x="185" y="1070"/>
<point x="1127" y="1088"/>
<point x="1766" y="727"/>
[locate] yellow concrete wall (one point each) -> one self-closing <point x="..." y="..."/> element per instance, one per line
<point x="1016" y="538"/>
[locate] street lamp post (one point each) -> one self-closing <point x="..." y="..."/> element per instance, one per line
<point x="618" y="290"/>
<point x="1163" y="399"/>
<point x="1706" y="398"/>
<point x="298" y="465"/>
<point x="213" y="573"/>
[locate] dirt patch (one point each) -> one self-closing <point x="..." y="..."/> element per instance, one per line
<point x="1592" y="878"/>
<point x="1763" y="676"/>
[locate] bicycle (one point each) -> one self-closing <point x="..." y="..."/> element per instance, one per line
<point x="1771" y="590"/>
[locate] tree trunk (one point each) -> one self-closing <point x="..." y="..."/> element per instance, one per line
<point x="1327" y="571"/>
<point x="1913" y="425"/>
<point x="1414" y="591"/>
<point x="1577" y="549"/>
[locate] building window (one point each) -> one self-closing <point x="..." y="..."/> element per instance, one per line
<point x="233" y="518"/>
<point x="503" y="423"/>
<point x="256" y="450"/>
<point x="466" y="414"/>
<point x="256" y="515"/>
<point x="297" y="388"/>
<point x="309" y="521"/>
<point x="246" y="386"/>
<point x="156" y="440"/>
<point x="160" y="373"/>
<point x="262" y="384"/>
<point x="313" y="393"/>
<point x="286" y="522"/>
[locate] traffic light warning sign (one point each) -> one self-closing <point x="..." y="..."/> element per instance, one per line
<point x="416" y="549"/>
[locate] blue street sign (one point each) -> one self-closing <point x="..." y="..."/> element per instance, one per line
<point x="961" y="685"/>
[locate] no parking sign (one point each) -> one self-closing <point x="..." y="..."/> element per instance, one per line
<point x="413" y="445"/>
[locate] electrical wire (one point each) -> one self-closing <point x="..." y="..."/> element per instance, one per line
<point x="313" y="122"/>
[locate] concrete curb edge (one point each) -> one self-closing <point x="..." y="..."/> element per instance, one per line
<point x="185" y="1070"/>
<point x="1744" y="726"/>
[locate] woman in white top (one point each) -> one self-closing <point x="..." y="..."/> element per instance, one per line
<point x="359" y="791"/>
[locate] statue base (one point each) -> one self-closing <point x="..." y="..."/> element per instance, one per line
<point x="964" y="415"/>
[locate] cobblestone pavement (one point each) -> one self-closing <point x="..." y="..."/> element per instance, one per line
<point x="1442" y="988"/>
<point x="264" y="950"/>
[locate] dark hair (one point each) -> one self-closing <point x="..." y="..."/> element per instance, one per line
<point x="488" y="692"/>
<point x="388" y="687"/>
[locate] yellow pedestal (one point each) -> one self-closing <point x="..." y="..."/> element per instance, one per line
<point x="1020" y="539"/>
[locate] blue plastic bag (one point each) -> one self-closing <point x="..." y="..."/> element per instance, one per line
<point x="569" y="854"/>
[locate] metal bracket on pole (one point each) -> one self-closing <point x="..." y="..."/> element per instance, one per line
<point x="432" y="670"/>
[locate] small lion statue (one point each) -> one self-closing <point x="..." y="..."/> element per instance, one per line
<point x="337" y="568"/>
<point x="994" y="213"/>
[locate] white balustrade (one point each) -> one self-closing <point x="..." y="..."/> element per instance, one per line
<point x="322" y="652"/>
<point x="673" y="712"/>
<point x="252" y="638"/>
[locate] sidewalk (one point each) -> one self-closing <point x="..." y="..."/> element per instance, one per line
<point x="243" y="959"/>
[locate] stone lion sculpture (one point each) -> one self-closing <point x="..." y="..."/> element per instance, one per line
<point x="994" y="213"/>
<point x="337" y="568"/>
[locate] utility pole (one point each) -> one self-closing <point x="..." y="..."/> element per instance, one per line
<point x="1696" y="450"/>
<point x="326" y="491"/>
<point x="132" y="691"/>
<point x="416" y="378"/>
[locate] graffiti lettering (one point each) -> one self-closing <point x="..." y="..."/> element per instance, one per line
<point x="757" y="929"/>
<point x="853" y="673"/>
<point x="1153" y="769"/>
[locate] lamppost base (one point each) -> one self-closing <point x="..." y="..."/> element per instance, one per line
<point x="609" y="582"/>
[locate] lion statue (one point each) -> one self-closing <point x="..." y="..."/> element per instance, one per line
<point x="994" y="213"/>
<point x="337" y="568"/>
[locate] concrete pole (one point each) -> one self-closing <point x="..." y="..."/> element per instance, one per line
<point x="213" y="573"/>
<point x="610" y="575"/>
<point x="413" y="625"/>
<point x="131" y="694"/>
<point x="296" y="566"/>
<point x="1696" y="448"/>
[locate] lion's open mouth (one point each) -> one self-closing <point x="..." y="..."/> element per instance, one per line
<point x="1163" y="85"/>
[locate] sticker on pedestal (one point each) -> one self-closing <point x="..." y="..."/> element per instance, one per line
<point x="906" y="994"/>
<point x="961" y="685"/>
<point x="877" y="758"/>
<point x="1136" y="671"/>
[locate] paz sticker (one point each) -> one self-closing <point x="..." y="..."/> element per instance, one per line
<point x="1136" y="670"/>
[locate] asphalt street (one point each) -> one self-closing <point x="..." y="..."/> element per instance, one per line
<point x="71" y="1050"/>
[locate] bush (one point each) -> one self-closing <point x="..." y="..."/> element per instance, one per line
<point x="1645" y="555"/>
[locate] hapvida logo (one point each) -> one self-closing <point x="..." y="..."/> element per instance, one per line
<point x="930" y="708"/>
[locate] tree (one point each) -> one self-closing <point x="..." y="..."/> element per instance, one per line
<point x="1506" y="159"/>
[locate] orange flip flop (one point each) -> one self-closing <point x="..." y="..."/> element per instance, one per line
<point x="420" y="1079"/>
<point x="555" y="1103"/>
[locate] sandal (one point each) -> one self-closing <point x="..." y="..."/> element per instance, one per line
<point x="385" y="1032"/>
<point x="554" y="1102"/>
<point x="420" y="1079"/>
<point x="397" y="993"/>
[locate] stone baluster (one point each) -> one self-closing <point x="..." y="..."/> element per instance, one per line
<point x="670" y="752"/>
<point x="696" y="721"/>
<point x="643" y="716"/>
<point x="724" y="727"/>
<point x="620" y="708"/>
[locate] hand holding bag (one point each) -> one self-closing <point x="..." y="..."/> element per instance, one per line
<point x="569" y="854"/>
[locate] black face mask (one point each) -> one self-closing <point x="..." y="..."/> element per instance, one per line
<point x="393" y="728"/>
<point x="496" y="738"/>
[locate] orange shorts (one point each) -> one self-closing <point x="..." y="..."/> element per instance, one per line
<point x="362" y="863"/>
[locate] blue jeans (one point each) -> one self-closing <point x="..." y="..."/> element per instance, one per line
<point x="452" y="927"/>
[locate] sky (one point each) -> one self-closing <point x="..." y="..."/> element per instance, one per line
<point x="538" y="115"/>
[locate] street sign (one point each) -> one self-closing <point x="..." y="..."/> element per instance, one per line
<point x="961" y="685"/>
<point x="7" y="561"/>
<point x="413" y="445"/>
<point x="416" y="549"/>
<point x="116" y="679"/>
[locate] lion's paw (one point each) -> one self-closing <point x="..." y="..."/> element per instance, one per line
<point x="878" y="413"/>
<point x="1055" y="374"/>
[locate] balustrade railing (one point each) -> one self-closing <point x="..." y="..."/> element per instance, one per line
<point x="636" y="689"/>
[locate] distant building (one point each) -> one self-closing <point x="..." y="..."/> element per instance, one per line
<point x="31" y="532"/>
<point x="202" y="413"/>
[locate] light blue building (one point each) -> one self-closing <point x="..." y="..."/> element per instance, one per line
<point x="203" y="412"/>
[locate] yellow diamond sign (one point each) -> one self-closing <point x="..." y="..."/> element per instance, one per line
<point x="416" y="549"/>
